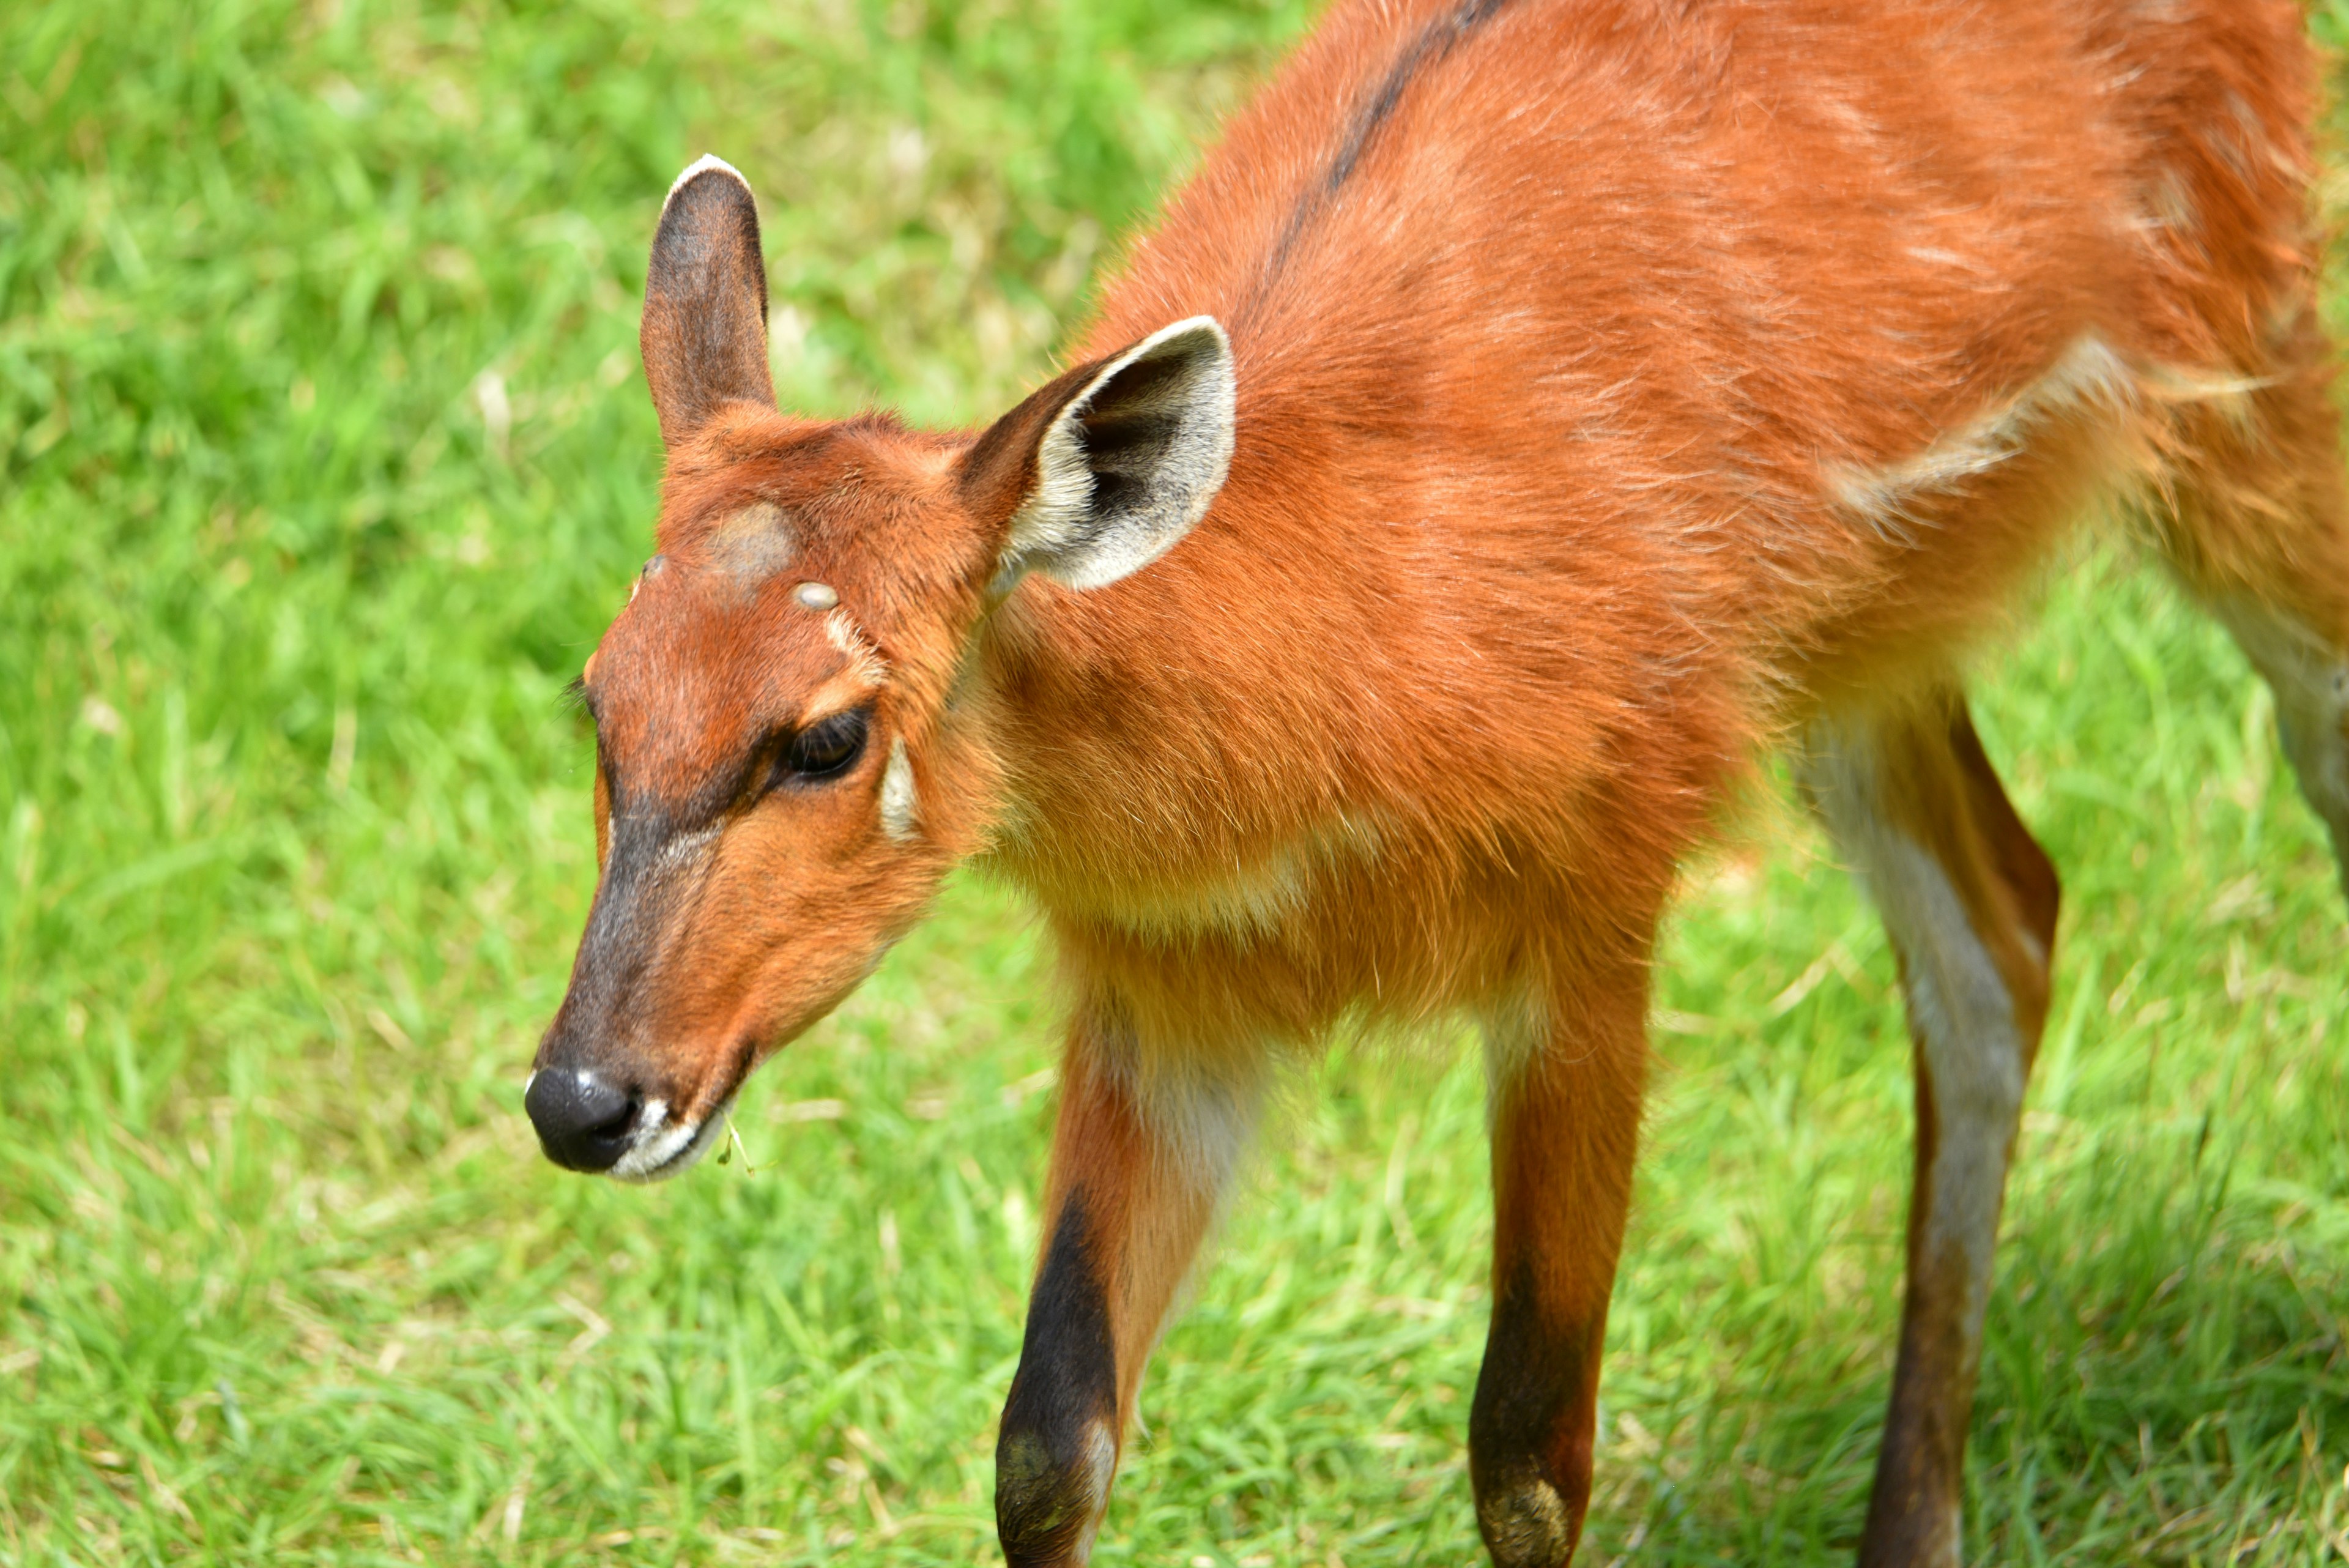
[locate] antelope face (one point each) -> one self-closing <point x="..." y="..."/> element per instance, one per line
<point x="788" y="751"/>
<point x="758" y="809"/>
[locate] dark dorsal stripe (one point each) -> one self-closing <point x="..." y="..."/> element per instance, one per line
<point x="1435" y="41"/>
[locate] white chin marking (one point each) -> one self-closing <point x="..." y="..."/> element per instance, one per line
<point x="665" y="1148"/>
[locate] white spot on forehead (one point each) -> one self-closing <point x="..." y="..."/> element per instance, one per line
<point x="899" y="806"/>
<point x="752" y="544"/>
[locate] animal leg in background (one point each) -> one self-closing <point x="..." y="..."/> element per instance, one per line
<point x="1141" y="1155"/>
<point x="1968" y="901"/>
<point x="2256" y="528"/>
<point x="1566" y="1081"/>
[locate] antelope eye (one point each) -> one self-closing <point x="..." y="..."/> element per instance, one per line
<point x="825" y="748"/>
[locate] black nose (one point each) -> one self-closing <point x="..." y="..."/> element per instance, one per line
<point x="583" y="1122"/>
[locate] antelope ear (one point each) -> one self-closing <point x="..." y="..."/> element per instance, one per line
<point x="1106" y="468"/>
<point x="705" y="331"/>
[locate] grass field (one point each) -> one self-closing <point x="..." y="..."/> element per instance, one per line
<point x="324" y="457"/>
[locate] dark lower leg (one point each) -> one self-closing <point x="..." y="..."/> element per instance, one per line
<point x="1565" y="1133"/>
<point x="1914" y="1508"/>
<point x="1531" y="1429"/>
<point x="1058" y="1446"/>
<point x="1138" y="1158"/>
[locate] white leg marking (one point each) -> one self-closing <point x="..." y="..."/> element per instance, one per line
<point x="1959" y="1004"/>
<point x="1514" y="1033"/>
<point x="1528" y="1522"/>
<point x="1965" y="1022"/>
<point x="1200" y="1118"/>
<point x="1100" y="1465"/>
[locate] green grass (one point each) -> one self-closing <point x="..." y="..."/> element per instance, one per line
<point x="324" y="457"/>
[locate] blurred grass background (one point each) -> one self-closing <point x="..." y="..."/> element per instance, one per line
<point x="324" y="458"/>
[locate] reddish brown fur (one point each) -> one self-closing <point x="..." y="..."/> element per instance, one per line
<point x="1623" y="387"/>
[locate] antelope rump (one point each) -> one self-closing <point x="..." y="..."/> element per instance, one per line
<point x="1530" y="416"/>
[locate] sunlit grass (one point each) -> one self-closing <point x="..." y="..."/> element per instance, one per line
<point x="324" y="456"/>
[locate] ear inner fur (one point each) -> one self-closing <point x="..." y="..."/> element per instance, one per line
<point x="1124" y="465"/>
<point x="704" y="335"/>
<point x="996" y="476"/>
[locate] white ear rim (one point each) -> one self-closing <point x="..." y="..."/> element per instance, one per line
<point x="708" y="163"/>
<point x="1047" y="534"/>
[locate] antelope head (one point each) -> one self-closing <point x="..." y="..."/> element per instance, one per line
<point x="791" y="740"/>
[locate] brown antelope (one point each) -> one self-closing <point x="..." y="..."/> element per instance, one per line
<point x="1528" y="416"/>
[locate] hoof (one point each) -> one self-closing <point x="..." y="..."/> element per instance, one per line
<point x="1525" y="1524"/>
<point x="1045" y="1510"/>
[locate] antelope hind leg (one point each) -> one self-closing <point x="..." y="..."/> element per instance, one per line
<point x="2256" y="526"/>
<point x="1969" y="900"/>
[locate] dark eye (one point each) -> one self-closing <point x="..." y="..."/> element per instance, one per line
<point x="825" y="748"/>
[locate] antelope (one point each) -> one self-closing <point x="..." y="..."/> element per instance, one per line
<point x="1529" y="417"/>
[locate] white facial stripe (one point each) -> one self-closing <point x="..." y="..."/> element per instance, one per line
<point x="899" y="808"/>
<point x="864" y="661"/>
<point x="683" y="852"/>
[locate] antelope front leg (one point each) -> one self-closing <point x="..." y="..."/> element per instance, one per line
<point x="1565" y="1090"/>
<point x="1142" y="1149"/>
